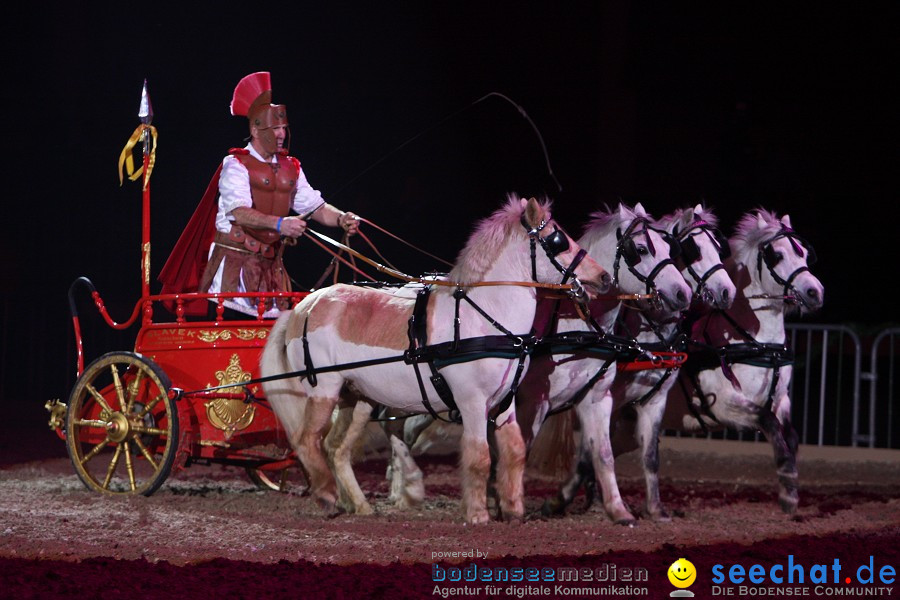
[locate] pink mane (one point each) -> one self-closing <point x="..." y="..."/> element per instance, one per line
<point x="748" y="235"/>
<point x="488" y="239"/>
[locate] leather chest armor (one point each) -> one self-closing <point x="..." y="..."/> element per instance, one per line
<point x="272" y="190"/>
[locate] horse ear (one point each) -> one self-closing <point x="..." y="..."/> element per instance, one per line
<point x="760" y="221"/>
<point x="624" y="213"/>
<point x="687" y="217"/>
<point x="699" y="208"/>
<point x="534" y="212"/>
<point x="639" y="210"/>
<point x="786" y="221"/>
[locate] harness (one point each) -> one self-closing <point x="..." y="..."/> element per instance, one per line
<point x="623" y="350"/>
<point x="768" y="255"/>
<point x="706" y="356"/>
<point x="774" y="356"/>
<point x="627" y="249"/>
<point x="690" y="253"/>
<point x="673" y="347"/>
<point x="461" y="350"/>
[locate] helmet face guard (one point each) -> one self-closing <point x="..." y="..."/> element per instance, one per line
<point x="265" y="119"/>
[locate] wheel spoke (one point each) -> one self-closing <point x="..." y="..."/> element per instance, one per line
<point x="150" y="430"/>
<point x="112" y="467"/>
<point x="150" y="406"/>
<point x="129" y="465"/>
<point x="100" y="399"/>
<point x="146" y="453"/>
<point x="117" y="382"/>
<point x="91" y="423"/>
<point x="133" y="389"/>
<point x="95" y="451"/>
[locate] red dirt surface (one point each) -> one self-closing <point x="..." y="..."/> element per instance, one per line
<point x="209" y="532"/>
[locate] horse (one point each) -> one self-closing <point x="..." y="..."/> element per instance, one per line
<point x="345" y="326"/>
<point x="739" y="370"/>
<point x="625" y="242"/>
<point x="639" y="396"/>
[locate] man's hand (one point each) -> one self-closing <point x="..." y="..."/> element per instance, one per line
<point x="349" y="222"/>
<point x="292" y="227"/>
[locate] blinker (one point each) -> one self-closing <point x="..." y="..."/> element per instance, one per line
<point x="556" y="243"/>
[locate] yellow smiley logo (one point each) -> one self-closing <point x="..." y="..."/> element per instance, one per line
<point x="682" y="573"/>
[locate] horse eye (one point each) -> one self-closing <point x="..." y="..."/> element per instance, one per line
<point x="778" y="256"/>
<point x="643" y="251"/>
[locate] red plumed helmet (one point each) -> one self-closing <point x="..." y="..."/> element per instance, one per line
<point x="252" y="91"/>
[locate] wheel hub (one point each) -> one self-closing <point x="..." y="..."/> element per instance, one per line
<point x="118" y="429"/>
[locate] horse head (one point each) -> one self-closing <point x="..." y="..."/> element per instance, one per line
<point x="550" y="256"/>
<point x="702" y="248"/>
<point x="639" y="254"/>
<point x="777" y="260"/>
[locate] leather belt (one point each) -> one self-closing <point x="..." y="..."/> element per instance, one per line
<point x="238" y="239"/>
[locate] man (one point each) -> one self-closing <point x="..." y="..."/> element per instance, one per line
<point x="258" y="186"/>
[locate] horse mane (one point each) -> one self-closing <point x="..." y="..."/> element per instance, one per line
<point x="704" y="214"/>
<point x="488" y="237"/>
<point x="602" y="221"/>
<point x="748" y="235"/>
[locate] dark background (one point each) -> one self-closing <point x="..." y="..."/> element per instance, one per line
<point x="789" y="106"/>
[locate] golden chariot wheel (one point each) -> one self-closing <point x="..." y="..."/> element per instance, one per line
<point x="121" y="425"/>
<point x="290" y="480"/>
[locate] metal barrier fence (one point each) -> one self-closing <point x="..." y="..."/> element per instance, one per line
<point x="834" y="402"/>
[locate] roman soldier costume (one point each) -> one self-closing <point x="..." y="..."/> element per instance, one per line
<point x="241" y="258"/>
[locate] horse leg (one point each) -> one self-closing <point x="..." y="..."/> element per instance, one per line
<point x="309" y="450"/>
<point x="595" y="436"/>
<point x="783" y="438"/>
<point x="407" y="486"/>
<point x="649" y="418"/>
<point x="510" y="468"/>
<point x="582" y="475"/>
<point x="475" y="464"/>
<point x="352" y="419"/>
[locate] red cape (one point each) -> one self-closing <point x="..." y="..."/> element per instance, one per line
<point x="183" y="270"/>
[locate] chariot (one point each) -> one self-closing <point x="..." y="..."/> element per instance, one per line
<point x="127" y="425"/>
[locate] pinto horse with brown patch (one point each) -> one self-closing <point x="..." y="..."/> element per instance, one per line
<point x="493" y="291"/>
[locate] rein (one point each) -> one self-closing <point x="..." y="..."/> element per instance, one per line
<point x="315" y="236"/>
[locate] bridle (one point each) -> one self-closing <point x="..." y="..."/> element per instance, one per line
<point x="689" y="251"/>
<point x="555" y="244"/>
<point x="627" y="249"/>
<point x="771" y="257"/>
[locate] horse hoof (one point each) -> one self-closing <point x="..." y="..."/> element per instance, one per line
<point x="659" y="515"/>
<point x="788" y="504"/>
<point x="626" y="522"/>
<point x="553" y="507"/>
<point x="334" y="511"/>
<point x="365" y="509"/>
<point x="512" y="517"/>
<point x="478" y="518"/>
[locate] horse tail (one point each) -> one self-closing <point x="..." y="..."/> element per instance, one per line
<point x="286" y="396"/>
<point x="553" y="451"/>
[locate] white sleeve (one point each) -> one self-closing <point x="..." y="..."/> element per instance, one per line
<point x="306" y="197"/>
<point x="234" y="186"/>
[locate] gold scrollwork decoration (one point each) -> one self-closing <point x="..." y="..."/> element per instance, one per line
<point x="231" y="414"/>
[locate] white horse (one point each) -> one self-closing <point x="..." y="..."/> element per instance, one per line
<point x="739" y="370"/>
<point x="639" y="397"/>
<point x="624" y="242"/>
<point x="344" y="324"/>
<point x="641" y="394"/>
